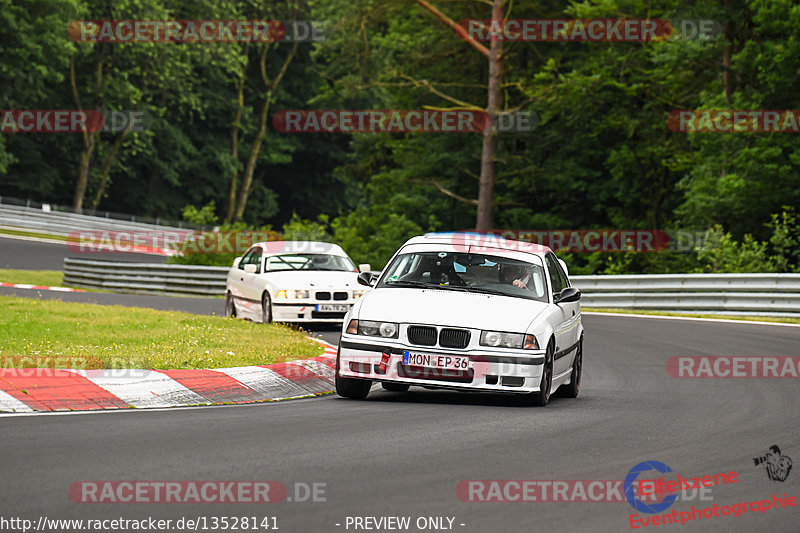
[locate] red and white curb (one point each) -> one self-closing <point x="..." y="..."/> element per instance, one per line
<point x="38" y="287"/>
<point x="30" y="390"/>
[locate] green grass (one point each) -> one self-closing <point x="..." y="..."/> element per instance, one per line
<point x="50" y="278"/>
<point x="780" y="319"/>
<point x="55" y="334"/>
<point x="24" y="233"/>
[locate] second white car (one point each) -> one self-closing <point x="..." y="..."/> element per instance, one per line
<point x="292" y="281"/>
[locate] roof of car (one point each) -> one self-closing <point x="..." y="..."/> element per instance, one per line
<point x="300" y="247"/>
<point x="487" y="240"/>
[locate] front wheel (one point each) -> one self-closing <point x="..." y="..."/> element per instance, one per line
<point x="266" y="308"/>
<point x="230" y="309"/>
<point x="540" y="399"/>
<point x="574" y="387"/>
<point x="356" y="389"/>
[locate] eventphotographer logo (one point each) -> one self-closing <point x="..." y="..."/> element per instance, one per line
<point x="776" y="465"/>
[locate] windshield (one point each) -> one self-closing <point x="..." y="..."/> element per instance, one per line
<point x="470" y="272"/>
<point x="290" y="262"/>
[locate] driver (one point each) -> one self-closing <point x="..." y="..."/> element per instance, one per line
<point x="518" y="275"/>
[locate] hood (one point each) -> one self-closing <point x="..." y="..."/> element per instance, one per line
<point x="315" y="279"/>
<point x="449" y="308"/>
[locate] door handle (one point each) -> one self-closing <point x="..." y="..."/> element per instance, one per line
<point x="573" y="313"/>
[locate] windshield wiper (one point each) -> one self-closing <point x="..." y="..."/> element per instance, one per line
<point x="482" y="290"/>
<point x="412" y="283"/>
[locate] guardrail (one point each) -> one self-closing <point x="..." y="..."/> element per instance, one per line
<point x="61" y="223"/>
<point x="753" y="294"/>
<point x="145" y="277"/>
<point x="34" y="206"/>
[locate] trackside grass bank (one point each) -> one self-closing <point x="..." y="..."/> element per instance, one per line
<point x="55" y="334"/>
<point x="34" y="234"/>
<point x="48" y="278"/>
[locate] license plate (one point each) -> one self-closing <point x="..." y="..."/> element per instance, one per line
<point x="451" y="362"/>
<point x="333" y="308"/>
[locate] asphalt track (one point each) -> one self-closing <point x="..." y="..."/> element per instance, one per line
<point x="35" y="255"/>
<point x="404" y="454"/>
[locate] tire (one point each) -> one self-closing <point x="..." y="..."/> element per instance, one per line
<point x="266" y="308"/>
<point x="574" y="387"/>
<point x="540" y="399"/>
<point x="395" y="387"/>
<point x="355" y="389"/>
<point x="230" y="308"/>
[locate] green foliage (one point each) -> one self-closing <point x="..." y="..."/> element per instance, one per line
<point x="720" y="252"/>
<point x="373" y="235"/>
<point x="600" y="157"/>
<point x="298" y="229"/>
<point x="206" y="215"/>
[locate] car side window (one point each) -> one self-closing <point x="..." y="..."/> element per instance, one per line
<point x="557" y="280"/>
<point x="252" y="257"/>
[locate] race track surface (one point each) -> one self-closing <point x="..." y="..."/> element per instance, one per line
<point x="33" y="255"/>
<point x="403" y="454"/>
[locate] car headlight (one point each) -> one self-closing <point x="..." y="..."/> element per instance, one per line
<point x="358" y="294"/>
<point x="387" y="330"/>
<point x="501" y="339"/>
<point x="290" y="294"/>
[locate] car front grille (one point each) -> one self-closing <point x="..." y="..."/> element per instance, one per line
<point x="323" y="295"/>
<point x="422" y="335"/>
<point x="454" y="338"/>
<point x="340" y="296"/>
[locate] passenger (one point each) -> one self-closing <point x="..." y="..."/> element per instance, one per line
<point x="517" y="275"/>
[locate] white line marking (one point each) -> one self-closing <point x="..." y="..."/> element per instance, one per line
<point x="666" y="317"/>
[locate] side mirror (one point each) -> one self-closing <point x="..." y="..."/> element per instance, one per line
<point x="365" y="278"/>
<point x="250" y="268"/>
<point x="570" y="294"/>
<point x="236" y="262"/>
<point x="364" y="267"/>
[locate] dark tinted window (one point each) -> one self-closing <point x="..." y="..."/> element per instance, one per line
<point x="557" y="279"/>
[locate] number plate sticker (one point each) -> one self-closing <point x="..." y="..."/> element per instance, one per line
<point x="452" y="362"/>
<point x="333" y="308"/>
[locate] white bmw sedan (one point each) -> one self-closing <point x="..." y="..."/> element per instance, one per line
<point x="467" y="312"/>
<point x="292" y="281"/>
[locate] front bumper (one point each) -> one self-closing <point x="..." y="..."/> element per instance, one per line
<point x="307" y="312"/>
<point x="491" y="370"/>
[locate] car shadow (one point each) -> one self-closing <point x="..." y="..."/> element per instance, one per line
<point x="418" y="395"/>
